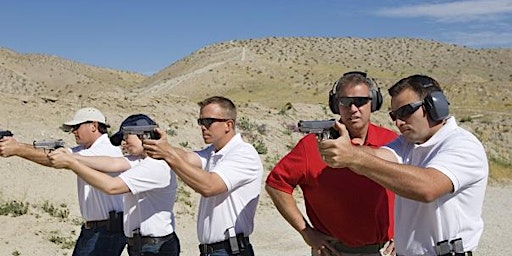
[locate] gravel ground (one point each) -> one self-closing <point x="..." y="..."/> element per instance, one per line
<point x="497" y="216"/>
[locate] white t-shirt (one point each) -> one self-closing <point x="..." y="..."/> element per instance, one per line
<point x="150" y="204"/>
<point x="94" y="204"/>
<point x="459" y="155"/>
<point x="240" y="167"/>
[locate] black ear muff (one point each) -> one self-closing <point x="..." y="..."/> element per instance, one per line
<point x="376" y="99"/>
<point x="436" y="105"/>
<point x="333" y="101"/>
<point x="376" y="95"/>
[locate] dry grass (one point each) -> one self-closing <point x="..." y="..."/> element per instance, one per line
<point x="269" y="75"/>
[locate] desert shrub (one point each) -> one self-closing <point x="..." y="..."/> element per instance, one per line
<point x="184" y="144"/>
<point x="14" y="208"/>
<point x="65" y="242"/>
<point x="260" y="147"/>
<point x="60" y="212"/>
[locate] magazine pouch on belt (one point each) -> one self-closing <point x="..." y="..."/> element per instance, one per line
<point x="115" y="222"/>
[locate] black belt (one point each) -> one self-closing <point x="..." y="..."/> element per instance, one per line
<point x="95" y="224"/>
<point x="468" y="253"/>
<point x="371" y="248"/>
<point x="151" y="239"/>
<point x="209" y="248"/>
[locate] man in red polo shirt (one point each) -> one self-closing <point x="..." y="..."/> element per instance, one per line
<point x="349" y="213"/>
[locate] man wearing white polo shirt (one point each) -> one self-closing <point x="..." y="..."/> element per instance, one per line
<point x="227" y="174"/>
<point x="102" y="232"/>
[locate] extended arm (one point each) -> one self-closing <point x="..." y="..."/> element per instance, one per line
<point x="10" y="147"/>
<point x="380" y="165"/>
<point x="104" y="163"/>
<point x="186" y="165"/>
<point x="62" y="158"/>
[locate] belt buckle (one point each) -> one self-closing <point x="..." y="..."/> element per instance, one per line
<point x="89" y="225"/>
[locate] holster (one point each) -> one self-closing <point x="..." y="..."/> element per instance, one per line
<point x="115" y="222"/>
<point x="137" y="245"/>
<point x="238" y="245"/>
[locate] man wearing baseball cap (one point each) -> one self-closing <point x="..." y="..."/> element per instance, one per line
<point x="147" y="185"/>
<point x="102" y="232"/>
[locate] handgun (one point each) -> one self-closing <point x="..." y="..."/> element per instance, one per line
<point x="5" y="133"/>
<point x="49" y="144"/>
<point x="324" y="129"/>
<point x="142" y="131"/>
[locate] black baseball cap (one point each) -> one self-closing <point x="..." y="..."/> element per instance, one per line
<point x="133" y="120"/>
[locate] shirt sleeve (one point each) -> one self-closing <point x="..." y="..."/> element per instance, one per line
<point x="100" y="148"/>
<point x="397" y="148"/>
<point x="462" y="159"/>
<point x="148" y="175"/>
<point x="290" y="171"/>
<point x="204" y="154"/>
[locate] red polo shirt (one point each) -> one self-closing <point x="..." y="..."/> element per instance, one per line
<point x="340" y="203"/>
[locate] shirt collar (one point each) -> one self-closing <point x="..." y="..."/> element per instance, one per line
<point x="449" y="125"/>
<point x="231" y="143"/>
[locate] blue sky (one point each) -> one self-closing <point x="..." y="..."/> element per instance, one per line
<point x="147" y="36"/>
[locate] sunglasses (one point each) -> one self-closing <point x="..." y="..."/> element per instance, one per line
<point x="208" y="121"/>
<point x="76" y="126"/>
<point x="357" y="101"/>
<point x="405" y="111"/>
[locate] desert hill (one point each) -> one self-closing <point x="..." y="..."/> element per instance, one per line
<point x="45" y="75"/>
<point x="276" y="75"/>
<point x="306" y="68"/>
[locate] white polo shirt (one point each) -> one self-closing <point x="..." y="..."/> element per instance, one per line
<point x="239" y="166"/>
<point x="461" y="157"/>
<point x="150" y="204"/>
<point x="94" y="204"/>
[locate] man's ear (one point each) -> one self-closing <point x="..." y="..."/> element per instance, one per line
<point x="230" y="125"/>
<point x="95" y="126"/>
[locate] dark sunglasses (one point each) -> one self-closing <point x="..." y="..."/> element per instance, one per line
<point x="76" y="126"/>
<point x="405" y="111"/>
<point x="357" y="101"/>
<point x="208" y="121"/>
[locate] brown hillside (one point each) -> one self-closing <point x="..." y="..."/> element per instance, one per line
<point x="275" y="81"/>
<point x="306" y="68"/>
<point x="37" y="74"/>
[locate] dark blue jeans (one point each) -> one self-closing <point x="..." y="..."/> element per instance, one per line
<point x="99" y="242"/>
<point x="170" y="247"/>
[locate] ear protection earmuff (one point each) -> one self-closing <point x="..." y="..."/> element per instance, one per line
<point x="436" y="105"/>
<point x="375" y="93"/>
